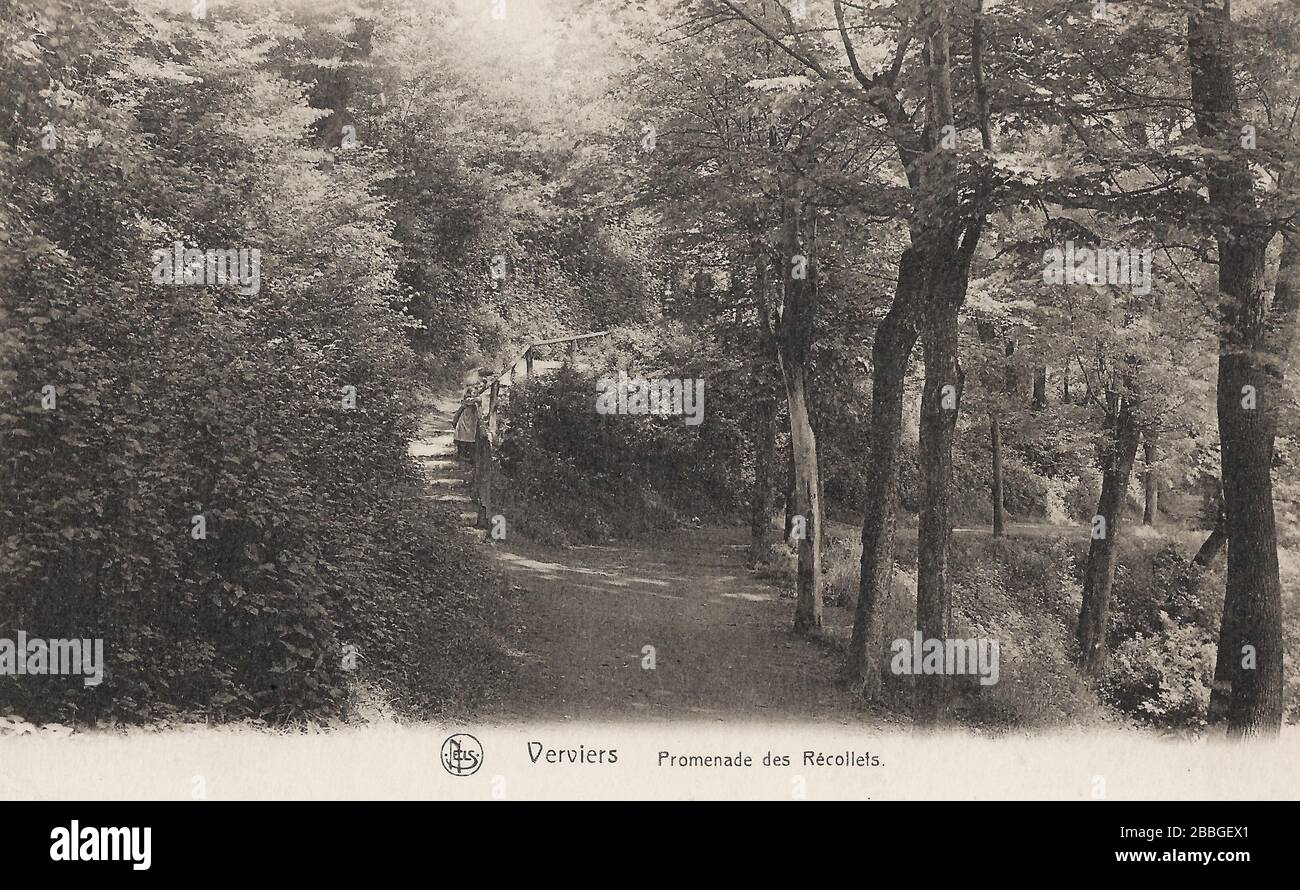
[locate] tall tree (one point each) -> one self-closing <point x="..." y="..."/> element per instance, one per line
<point x="794" y="338"/>
<point x="1118" y="450"/>
<point x="1247" y="688"/>
<point x="765" y="421"/>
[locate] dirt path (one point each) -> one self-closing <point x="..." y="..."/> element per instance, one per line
<point x="721" y="641"/>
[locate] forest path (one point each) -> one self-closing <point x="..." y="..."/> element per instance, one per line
<point x="723" y="648"/>
<point x="722" y="642"/>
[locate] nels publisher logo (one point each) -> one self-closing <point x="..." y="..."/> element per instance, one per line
<point x="462" y="754"/>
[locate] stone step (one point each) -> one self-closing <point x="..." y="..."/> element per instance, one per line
<point x="427" y="448"/>
<point x="460" y="475"/>
<point x="438" y="463"/>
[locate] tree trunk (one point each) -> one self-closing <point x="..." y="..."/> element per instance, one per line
<point x="987" y="334"/>
<point x="952" y="236"/>
<point x="940" y="402"/>
<point x="1118" y="454"/>
<point x="794" y="344"/>
<point x="995" y="445"/>
<point x="808" y="604"/>
<point x="1248" y="672"/>
<point x="1150" y="484"/>
<point x="1040" y="388"/>
<point x="890" y="355"/>
<point x="1247" y="690"/>
<point x="1209" y="550"/>
<point x="483" y="468"/>
<point x="790" y="507"/>
<point x="818" y="425"/>
<point x="941" y="389"/>
<point x="760" y="508"/>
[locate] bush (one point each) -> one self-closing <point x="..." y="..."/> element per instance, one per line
<point x="1025" y="593"/>
<point x="1163" y="627"/>
<point x="1018" y="592"/>
<point x="841" y="570"/>
<point x="1024" y="493"/>
<point x="573" y="473"/>
<point x="1163" y="678"/>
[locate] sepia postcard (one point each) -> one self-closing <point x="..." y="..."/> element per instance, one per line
<point x="872" y="401"/>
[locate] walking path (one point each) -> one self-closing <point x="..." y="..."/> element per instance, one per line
<point x="719" y="638"/>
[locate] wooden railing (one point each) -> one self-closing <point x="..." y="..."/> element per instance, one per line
<point x="488" y="429"/>
<point x="527" y="355"/>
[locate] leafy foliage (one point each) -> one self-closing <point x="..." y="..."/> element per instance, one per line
<point x="171" y="403"/>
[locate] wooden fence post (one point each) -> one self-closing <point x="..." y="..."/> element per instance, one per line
<point x="483" y="459"/>
<point x="483" y="478"/>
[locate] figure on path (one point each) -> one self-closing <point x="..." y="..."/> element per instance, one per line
<point x="466" y="422"/>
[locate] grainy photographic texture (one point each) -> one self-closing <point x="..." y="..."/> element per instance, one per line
<point x="517" y="399"/>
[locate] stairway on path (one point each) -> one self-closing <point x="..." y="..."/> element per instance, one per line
<point x="449" y="479"/>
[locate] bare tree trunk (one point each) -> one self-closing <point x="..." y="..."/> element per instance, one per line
<point x="940" y="402"/>
<point x="890" y="354"/>
<point x="483" y="470"/>
<point x="1150" y="485"/>
<point x="1248" y="672"/>
<point x="791" y="509"/>
<point x="995" y="445"/>
<point x="760" y="516"/>
<point x="794" y="343"/>
<point x="808" y="605"/>
<point x="818" y="425"/>
<point x="1118" y="454"/>
<point x="988" y="334"/>
<point x="1213" y="545"/>
<point x="1040" y="387"/>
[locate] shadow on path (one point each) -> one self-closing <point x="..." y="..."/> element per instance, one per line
<point x="722" y="643"/>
